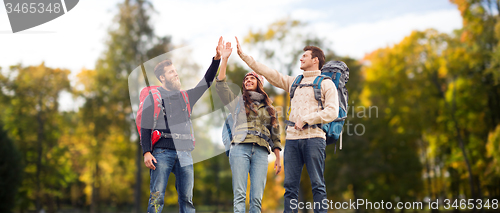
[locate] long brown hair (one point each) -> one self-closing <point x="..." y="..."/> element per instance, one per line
<point x="267" y="102"/>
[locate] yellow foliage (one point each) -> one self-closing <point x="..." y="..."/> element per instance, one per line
<point x="493" y="150"/>
<point x="274" y="191"/>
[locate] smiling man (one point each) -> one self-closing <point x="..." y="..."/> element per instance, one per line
<point x="172" y="152"/>
<point x="305" y="140"/>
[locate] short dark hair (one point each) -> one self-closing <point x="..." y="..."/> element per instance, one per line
<point x="160" y="68"/>
<point x="316" y="52"/>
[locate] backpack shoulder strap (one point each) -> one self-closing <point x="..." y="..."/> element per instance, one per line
<point x="317" y="88"/>
<point x="186" y="99"/>
<point x="296" y="83"/>
<point x="185" y="96"/>
<point x="157" y="105"/>
<point x="237" y="109"/>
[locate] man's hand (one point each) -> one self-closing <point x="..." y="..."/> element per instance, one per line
<point x="277" y="162"/>
<point x="299" y="124"/>
<point x="226" y="51"/>
<point x="238" y="47"/>
<point x="148" y="160"/>
<point x="218" y="49"/>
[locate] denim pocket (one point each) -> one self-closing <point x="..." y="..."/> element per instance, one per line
<point x="158" y="151"/>
<point x="319" y="142"/>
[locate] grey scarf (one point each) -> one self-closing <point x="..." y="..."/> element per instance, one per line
<point x="255" y="96"/>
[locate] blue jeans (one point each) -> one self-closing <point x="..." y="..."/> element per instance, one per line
<point x="310" y="152"/>
<point x="171" y="161"/>
<point x="248" y="158"/>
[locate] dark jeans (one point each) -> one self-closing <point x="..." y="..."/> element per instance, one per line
<point x="310" y="152"/>
<point x="181" y="164"/>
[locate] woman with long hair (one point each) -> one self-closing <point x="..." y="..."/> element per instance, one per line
<point x="255" y="135"/>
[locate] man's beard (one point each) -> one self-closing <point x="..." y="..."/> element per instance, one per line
<point x="173" y="84"/>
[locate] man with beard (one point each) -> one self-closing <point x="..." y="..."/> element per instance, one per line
<point x="172" y="152"/>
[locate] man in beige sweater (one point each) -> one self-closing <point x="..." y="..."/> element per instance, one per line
<point x="305" y="142"/>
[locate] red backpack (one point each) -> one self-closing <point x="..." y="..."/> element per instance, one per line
<point x="158" y="106"/>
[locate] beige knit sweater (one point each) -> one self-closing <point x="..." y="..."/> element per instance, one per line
<point x="303" y="104"/>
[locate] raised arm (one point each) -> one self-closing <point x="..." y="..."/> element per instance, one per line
<point x="273" y="76"/>
<point x="226" y="52"/>
<point x="225" y="94"/>
<point x="205" y="83"/>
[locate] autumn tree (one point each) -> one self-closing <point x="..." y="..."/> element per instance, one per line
<point x="33" y="122"/>
<point x="107" y="113"/>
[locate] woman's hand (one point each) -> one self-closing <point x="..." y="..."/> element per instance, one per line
<point x="226" y="51"/>
<point x="238" y="47"/>
<point x="277" y="162"/>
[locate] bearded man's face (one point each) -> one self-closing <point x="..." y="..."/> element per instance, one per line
<point x="171" y="79"/>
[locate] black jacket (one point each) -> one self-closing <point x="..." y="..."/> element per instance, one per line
<point x="175" y="118"/>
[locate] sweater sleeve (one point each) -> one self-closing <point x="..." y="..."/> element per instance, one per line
<point x="331" y="106"/>
<point x="196" y="92"/>
<point x="226" y="95"/>
<point x="275" y="137"/>
<point x="147" y="125"/>
<point x="273" y="76"/>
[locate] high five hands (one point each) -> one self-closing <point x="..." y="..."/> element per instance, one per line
<point x="226" y="51"/>
<point x="218" y="49"/>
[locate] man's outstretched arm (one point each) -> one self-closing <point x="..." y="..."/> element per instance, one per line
<point x="273" y="76"/>
<point x="205" y="83"/>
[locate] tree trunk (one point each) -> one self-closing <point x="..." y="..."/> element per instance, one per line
<point x="40" y="138"/>
<point x="432" y="195"/>
<point x="462" y="148"/>
<point x="355" y="194"/>
<point x="460" y="140"/>
<point x="137" y="202"/>
<point x="95" y="189"/>
<point x="479" y="195"/>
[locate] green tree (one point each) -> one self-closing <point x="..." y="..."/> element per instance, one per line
<point x="107" y="110"/>
<point x="479" y="40"/>
<point x="33" y="120"/>
<point x="11" y="172"/>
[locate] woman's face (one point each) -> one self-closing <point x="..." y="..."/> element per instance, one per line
<point x="250" y="83"/>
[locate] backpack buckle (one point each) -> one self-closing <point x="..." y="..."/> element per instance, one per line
<point x="175" y="135"/>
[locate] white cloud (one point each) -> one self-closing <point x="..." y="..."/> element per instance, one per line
<point x="77" y="39"/>
<point x="73" y="41"/>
